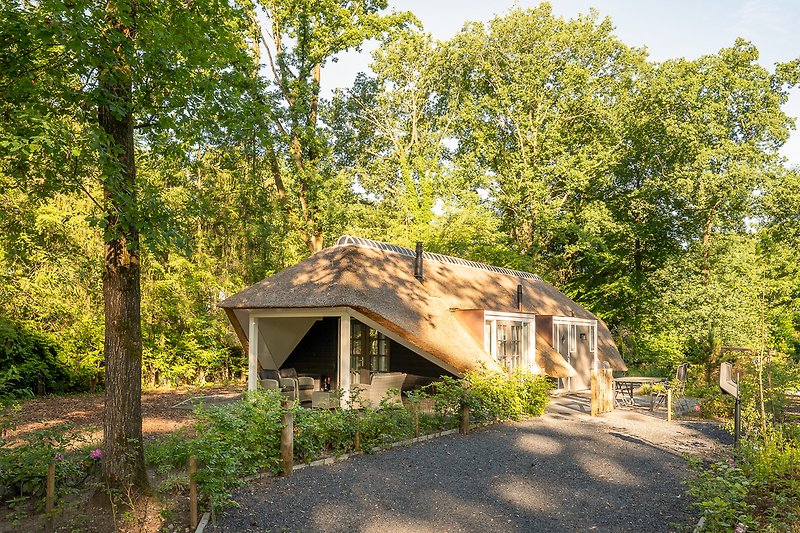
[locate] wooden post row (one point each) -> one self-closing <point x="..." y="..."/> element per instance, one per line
<point x="287" y="438"/>
<point x="464" y="429"/>
<point x="51" y="496"/>
<point x="192" y="491"/>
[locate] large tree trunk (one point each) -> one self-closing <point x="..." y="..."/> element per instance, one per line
<point x="123" y="460"/>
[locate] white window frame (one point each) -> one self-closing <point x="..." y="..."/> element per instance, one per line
<point x="527" y="358"/>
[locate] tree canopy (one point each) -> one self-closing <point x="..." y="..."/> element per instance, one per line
<point x="187" y="149"/>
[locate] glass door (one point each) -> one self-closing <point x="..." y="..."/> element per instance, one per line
<point x="563" y="337"/>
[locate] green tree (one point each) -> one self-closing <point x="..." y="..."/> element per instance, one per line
<point x="107" y="65"/>
<point x="298" y="39"/>
<point x="539" y="120"/>
<point x="722" y="117"/>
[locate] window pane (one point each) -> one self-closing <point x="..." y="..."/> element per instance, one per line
<point x="368" y="348"/>
<point x="573" y="340"/>
<point x="501" y="341"/>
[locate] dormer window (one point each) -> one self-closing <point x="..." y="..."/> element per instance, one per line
<point x="509" y="338"/>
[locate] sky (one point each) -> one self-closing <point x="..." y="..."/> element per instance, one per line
<point x="667" y="28"/>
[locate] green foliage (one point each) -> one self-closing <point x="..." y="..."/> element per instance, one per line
<point x="759" y="487"/>
<point x="721" y="492"/>
<point x="30" y="363"/>
<point x="235" y="440"/>
<point x="650" y="192"/>
<point x="23" y="464"/>
<point x="491" y="395"/>
<point x="502" y="396"/>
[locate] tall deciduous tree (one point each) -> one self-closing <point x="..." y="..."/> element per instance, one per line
<point x="540" y="119"/>
<point x="107" y="65"/>
<point x="721" y="115"/>
<point x="390" y="132"/>
<point x="296" y="40"/>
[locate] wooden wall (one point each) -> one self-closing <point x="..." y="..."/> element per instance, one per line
<point x="317" y="353"/>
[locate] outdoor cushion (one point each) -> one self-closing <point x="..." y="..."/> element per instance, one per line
<point x="268" y="374"/>
<point x="272" y="380"/>
<point x="302" y="386"/>
<point x="378" y="388"/>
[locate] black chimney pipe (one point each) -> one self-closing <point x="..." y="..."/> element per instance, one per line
<point x="519" y="297"/>
<point x="418" y="263"/>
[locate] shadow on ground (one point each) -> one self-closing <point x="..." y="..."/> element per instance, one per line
<point x="559" y="472"/>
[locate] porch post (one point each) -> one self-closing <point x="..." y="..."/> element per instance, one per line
<point x="344" y="356"/>
<point x="252" y="362"/>
<point x="531" y="348"/>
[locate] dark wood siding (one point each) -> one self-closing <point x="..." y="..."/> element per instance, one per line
<point x="404" y="360"/>
<point x="317" y="353"/>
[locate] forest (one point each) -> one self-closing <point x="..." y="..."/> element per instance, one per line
<point x="195" y="140"/>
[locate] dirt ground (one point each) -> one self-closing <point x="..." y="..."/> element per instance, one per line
<point x="163" y="411"/>
<point x="85" y="411"/>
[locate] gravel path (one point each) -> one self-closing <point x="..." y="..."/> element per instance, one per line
<point x="564" y="471"/>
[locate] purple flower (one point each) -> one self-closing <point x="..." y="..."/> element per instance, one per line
<point x="740" y="528"/>
<point x="97" y="453"/>
<point x="58" y="456"/>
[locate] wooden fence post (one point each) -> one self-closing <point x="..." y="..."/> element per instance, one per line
<point x="669" y="405"/>
<point x="287" y="438"/>
<point x="602" y="381"/>
<point x="464" y="429"/>
<point x="51" y="496"/>
<point x="192" y="491"/>
<point x="608" y="382"/>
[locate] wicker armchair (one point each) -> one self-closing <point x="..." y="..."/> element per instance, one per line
<point x="304" y="385"/>
<point x="378" y="388"/>
<point x="271" y="380"/>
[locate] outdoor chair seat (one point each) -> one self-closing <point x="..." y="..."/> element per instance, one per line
<point x="271" y="380"/>
<point x="677" y="386"/>
<point x="371" y="394"/>
<point x="304" y="385"/>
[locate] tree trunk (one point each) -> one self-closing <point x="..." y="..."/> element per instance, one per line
<point x="123" y="459"/>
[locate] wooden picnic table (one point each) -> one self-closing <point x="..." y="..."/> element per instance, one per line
<point x="624" y="387"/>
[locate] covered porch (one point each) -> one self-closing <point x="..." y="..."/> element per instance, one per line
<point x="338" y="347"/>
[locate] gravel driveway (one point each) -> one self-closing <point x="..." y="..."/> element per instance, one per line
<point x="564" y="471"/>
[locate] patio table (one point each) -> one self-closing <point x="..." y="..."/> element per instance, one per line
<point x="624" y="387"/>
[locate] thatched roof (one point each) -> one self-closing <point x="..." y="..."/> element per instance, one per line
<point x="380" y="284"/>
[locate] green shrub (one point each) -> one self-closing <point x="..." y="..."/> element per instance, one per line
<point x="242" y="438"/>
<point x="236" y="440"/>
<point x="23" y="465"/>
<point x="30" y="362"/>
<point x="720" y="491"/>
<point x="380" y="428"/>
<point x="502" y="396"/>
<point x="320" y="432"/>
<point x="760" y="488"/>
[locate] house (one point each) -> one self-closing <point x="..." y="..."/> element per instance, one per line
<point x="363" y="304"/>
